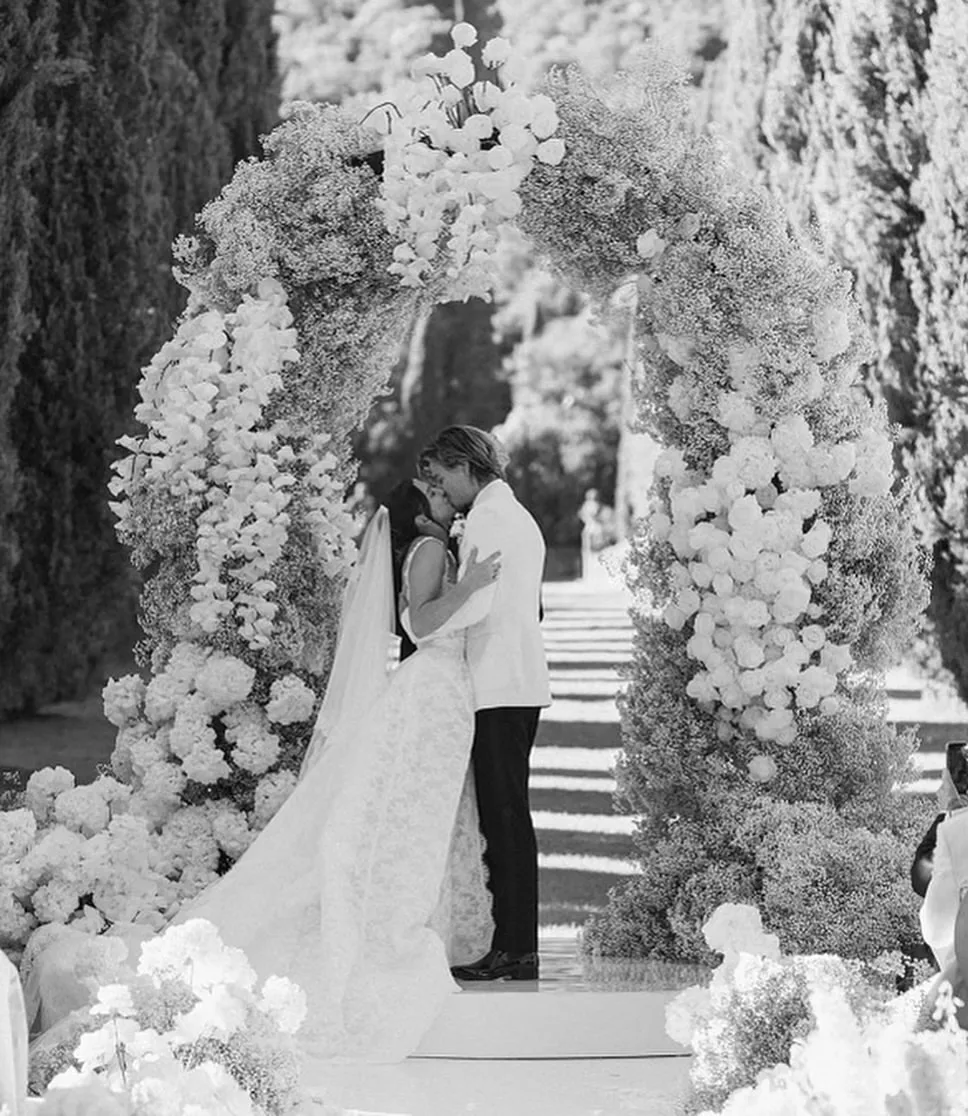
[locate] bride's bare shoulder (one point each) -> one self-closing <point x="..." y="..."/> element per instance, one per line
<point x="424" y="557"/>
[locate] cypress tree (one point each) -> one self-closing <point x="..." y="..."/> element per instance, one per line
<point x="75" y="367"/>
<point x="938" y="271"/>
<point x="25" y="50"/>
<point x="128" y="149"/>
<point x="854" y="115"/>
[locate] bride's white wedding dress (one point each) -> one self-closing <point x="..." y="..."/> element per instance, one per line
<point x="369" y="882"/>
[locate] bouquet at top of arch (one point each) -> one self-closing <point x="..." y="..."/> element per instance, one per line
<point x="455" y="155"/>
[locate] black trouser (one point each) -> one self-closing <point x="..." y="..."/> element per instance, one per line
<point x="501" y="755"/>
<point x="407" y="646"/>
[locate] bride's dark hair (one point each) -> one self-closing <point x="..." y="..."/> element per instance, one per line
<point x="404" y="504"/>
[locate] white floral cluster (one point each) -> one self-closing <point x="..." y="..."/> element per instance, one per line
<point x="855" y="1066"/>
<point x="751" y="546"/>
<point x="217" y="1049"/>
<point x="71" y="842"/>
<point x="736" y="931"/>
<point x="455" y="157"/>
<point x="290" y="701"/>
<point x="175" y="731"/>
<point x="203" y="396"/>
<point x="166" y="735"/>
<point x="893" y="1066"/>
<point x="133" y="846"/>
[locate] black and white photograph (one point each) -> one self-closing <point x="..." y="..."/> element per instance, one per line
<point x="483" y="557"/>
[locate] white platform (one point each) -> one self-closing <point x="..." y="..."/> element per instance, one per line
<point x="434" y="1087"/>
<point x="616" y="1012"/>
<point x="575" y="1043"/>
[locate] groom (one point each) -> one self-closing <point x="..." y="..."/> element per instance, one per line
<point x="509" y="674"/>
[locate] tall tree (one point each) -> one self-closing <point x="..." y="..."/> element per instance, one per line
<point x="854" y="114"/>
<point x="26" y="52"/>
<point x="937" y="266"/>
<point x="129" y="146"/>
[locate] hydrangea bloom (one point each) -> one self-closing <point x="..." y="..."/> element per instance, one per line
<point x="123" y="699"/>
<point x="18" y="828"/>
<point x="42" y="789"/>
<point x="224" y="681"/>
<point x="290" y="701"/>
<point x="270" y="794"/>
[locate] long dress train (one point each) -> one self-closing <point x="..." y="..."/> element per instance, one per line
<point x="369" y="882"/>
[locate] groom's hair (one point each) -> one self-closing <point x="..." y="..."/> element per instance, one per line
<point x="456" y="444"/>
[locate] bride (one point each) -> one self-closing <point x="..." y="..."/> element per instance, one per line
<point x="369" y="882"/>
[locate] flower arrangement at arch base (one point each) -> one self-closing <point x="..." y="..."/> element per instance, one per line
<point x="814" y="1035"/>
<point x="188" y="1032"/>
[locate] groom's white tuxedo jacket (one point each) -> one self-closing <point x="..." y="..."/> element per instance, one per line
<point x="505" y="649"/>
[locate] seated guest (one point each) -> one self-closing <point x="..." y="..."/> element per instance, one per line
<point x="13" y="1041"/>
<point x="924" y="858"/>
<point x="945" y="865"/>
<point x="952" y="795"/>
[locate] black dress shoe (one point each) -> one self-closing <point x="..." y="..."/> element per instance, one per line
<point x="498" y="965"/>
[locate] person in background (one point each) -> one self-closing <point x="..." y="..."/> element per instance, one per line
<point x="952" y="795"/>
<point x="941" y="860"/>
<point x="591" y="531"/>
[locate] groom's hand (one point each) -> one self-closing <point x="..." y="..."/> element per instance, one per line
<point x="479" y="573"/>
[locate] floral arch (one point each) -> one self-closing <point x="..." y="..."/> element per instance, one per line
<point x="777" y="572"/>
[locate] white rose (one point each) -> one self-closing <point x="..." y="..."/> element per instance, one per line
<point x="660" y="525"/>
<point x="817" y="539"/>
<point x="749" y="653"/>
<point x="762" y="769"/>
<point x="791" y="436"/>
<point x="650" y="245"/>
<point x="813" y="637"/>
<point x="551" y="152"/>
<point x="701" y="688"/>
<point x="459" y="68"/>
<point x="284" y="1002"/>
<point x="723" y="585"/>
<point x="736" y="412"/>
<point x="463" y="34"/>
<point x="496" y="52"/>
<point x="674" y="617"/>
<point x="817" y="572"/>
<point x="836" y="657"/>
